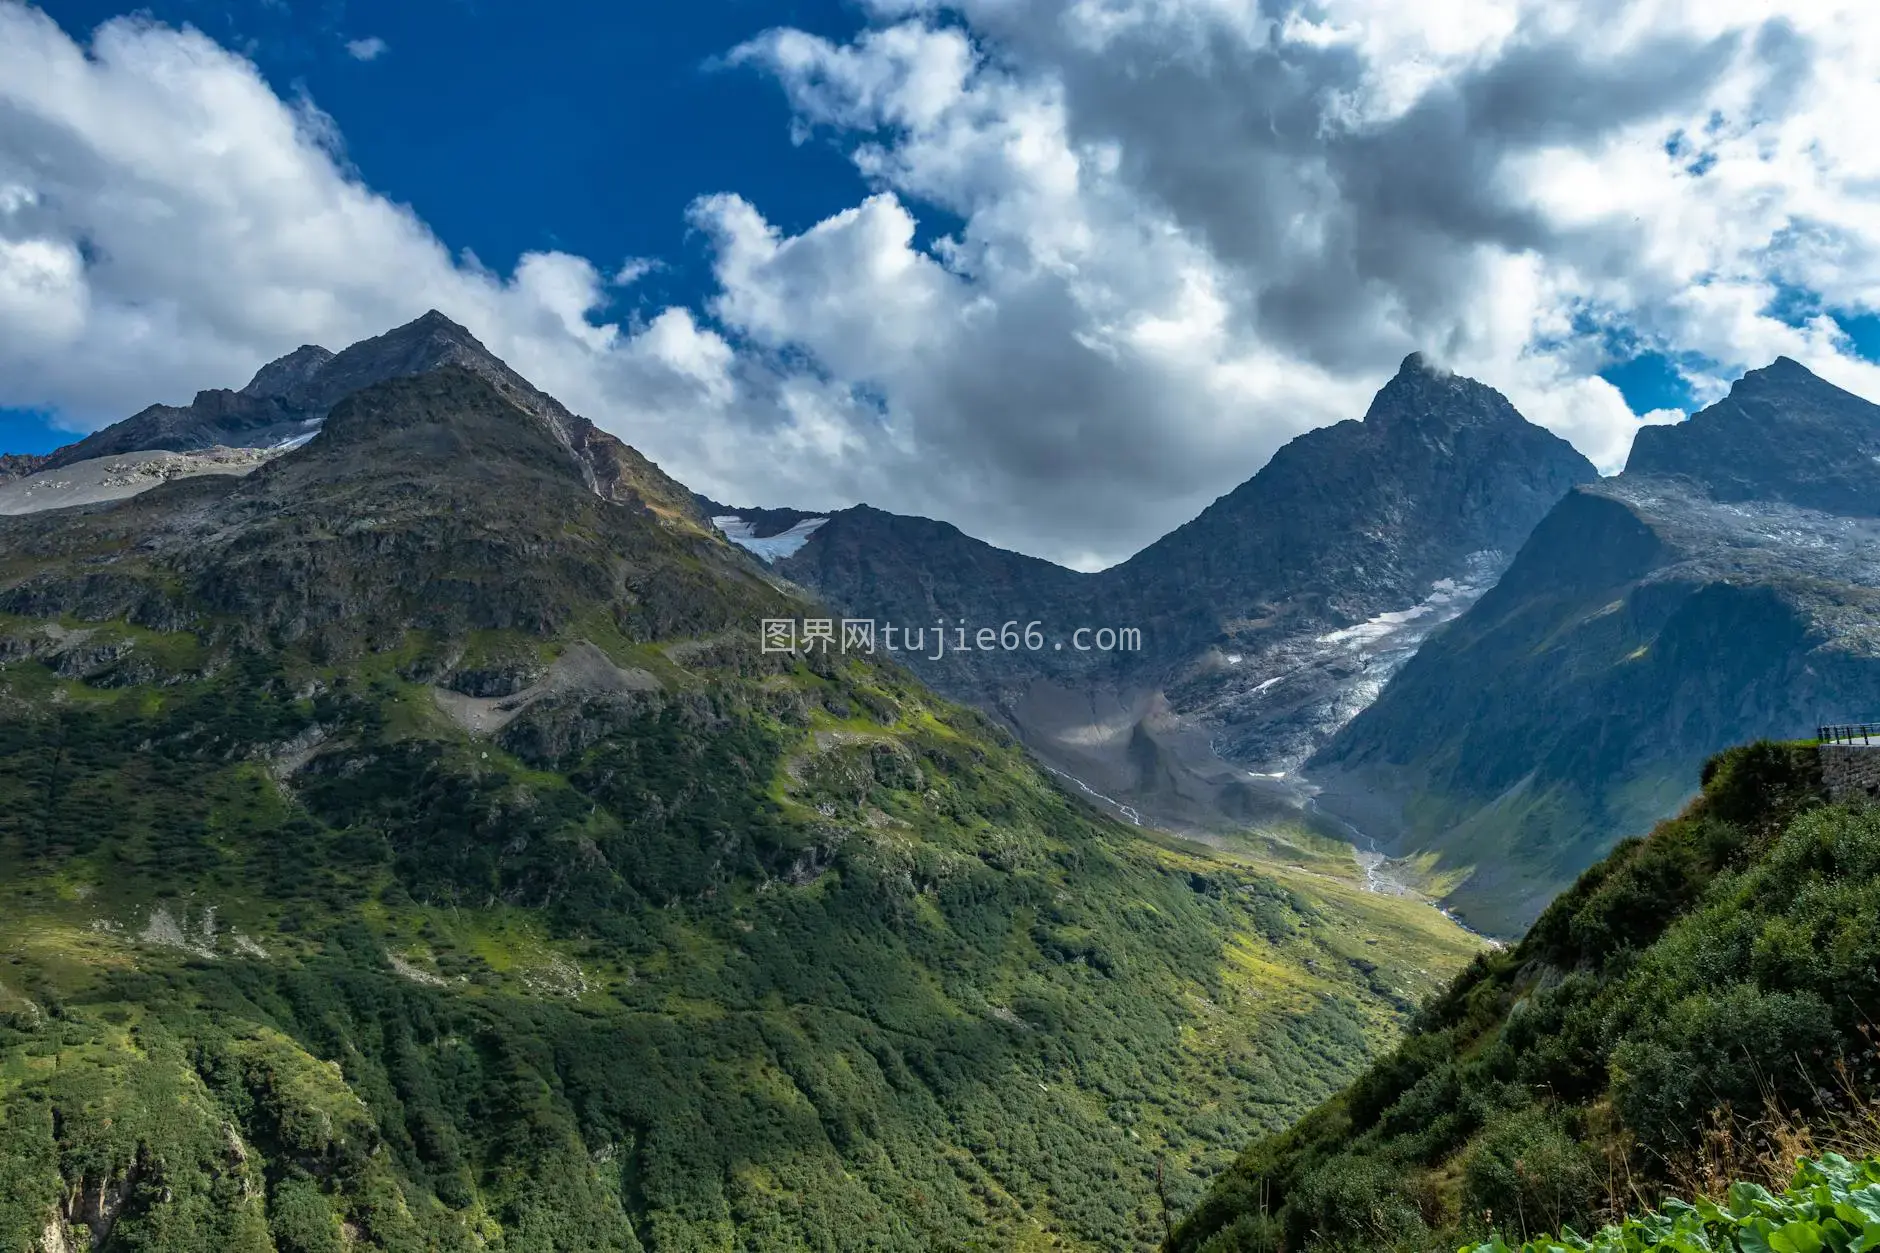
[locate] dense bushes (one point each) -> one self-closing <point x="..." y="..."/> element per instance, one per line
<point x="695" y="971"/>
<point x="1725" y="966"/>
<point x="1832" y="1204"/>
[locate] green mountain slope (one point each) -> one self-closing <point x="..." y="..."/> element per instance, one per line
<point x="1703" y="997"/>
<point x="407" y="846"/>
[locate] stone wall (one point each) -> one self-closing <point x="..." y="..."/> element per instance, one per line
<point x="1851" y="770"/>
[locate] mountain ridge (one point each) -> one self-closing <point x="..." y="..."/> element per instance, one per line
<point x="1782" y="433"/>
<point x="1696" y="1008"/>
<point x="408" y="843"/>
<point x="1408" y="512"/>
<point x="289" y="399"/>
<point x="1723" y="587"/>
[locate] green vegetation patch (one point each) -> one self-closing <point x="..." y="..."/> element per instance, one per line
<point x="1705" y="995"/>
<point x="1832" y="1204"/>
<point x="289" y="962"/>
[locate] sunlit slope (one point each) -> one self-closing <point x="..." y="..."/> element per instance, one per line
<point x="1699" y="1005"/>
<point x="407" y="846"/>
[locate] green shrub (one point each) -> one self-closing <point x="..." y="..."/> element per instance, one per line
<point x="1832" y="1206"/>
<point x="1529" y="1170"/>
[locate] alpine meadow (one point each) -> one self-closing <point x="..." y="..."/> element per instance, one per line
<point x="928" y="626"/>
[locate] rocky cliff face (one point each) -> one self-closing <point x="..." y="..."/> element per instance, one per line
<point x="434" y="501"/>
<point x="1781" y="435"/>
<point x="1284" y="604"/>
<point x="1724" y="588"/>
<point x="1266" y="622"/>
<point x="15" y="465"/>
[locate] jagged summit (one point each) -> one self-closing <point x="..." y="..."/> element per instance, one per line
<point x="423" y="344"/>
<point x="1425" y="397"/>
<point x="288" y="401"/>
<point x="1782" y="433"/>
<point x="289" y="397"/>
<point x="1782" y="371"/>
<point x="283" y="375"/>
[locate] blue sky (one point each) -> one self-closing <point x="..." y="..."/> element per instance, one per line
<point x="589" y="133"/>
<point x="1058" y="271"/>
<point x="511" y="126"/>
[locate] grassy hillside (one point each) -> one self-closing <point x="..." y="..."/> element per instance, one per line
<point x="407" y="847"/>
<point x="763" y="960"/>
<point x="1700" y="1006"/>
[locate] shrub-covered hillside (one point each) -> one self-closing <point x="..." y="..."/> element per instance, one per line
<point x="409" y="847"/>
<point x="1700" y="1003"/>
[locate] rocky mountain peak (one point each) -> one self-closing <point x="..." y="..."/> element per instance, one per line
<point x="1424" y="398"/>
<point x="423" y="344"/>
<point x="288" y="398"/>
<point x="1781" y="434"/>
<point x="1780" y="373"/>
<point x="284" y="374"/>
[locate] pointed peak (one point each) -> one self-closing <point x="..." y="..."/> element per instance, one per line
<point x="431" y="327"/>
<point x="284" y="374"/>
<point x="1782" y="372"/>
<point x="419" y="345"/>
<point x="1423" y="395"/>
<point x="432" y="320"/>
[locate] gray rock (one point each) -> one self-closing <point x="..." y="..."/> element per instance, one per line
<point x="1725" y="588"/>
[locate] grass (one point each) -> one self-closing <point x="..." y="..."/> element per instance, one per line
<point x="1698" y="1008"/>
<point x="986" y="1017"/>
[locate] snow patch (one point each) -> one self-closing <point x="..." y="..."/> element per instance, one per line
<point x="1447" y="599"/>
<point x="769" y="547"/>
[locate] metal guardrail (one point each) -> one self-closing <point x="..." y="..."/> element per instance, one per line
<point x="1862" y="733"/>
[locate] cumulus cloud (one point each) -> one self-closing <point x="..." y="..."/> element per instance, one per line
<point x="370" y="48"/>
<point x="1182" y="231"/>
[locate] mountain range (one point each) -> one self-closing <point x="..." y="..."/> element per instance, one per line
<point x="1266" y="622"/>
<point x="1300" y="648"/>
<point x="1724" y="588"/>
<point x="405" y="843"/>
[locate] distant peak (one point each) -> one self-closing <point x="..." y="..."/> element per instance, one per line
<point x="430" y="319"/>
<point x="1783" y="371"/>
<point x="1425" y="396"/>
<point x="421" y="344"/>
<point x="284" y="374"/>
<point x="432" y="326"/>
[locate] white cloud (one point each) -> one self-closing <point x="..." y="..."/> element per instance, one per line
<point x="370" y="48"/>
<point x="1188" y="230"/>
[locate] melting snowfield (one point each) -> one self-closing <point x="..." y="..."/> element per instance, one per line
<point x="769" y="547"/>
<point x="1404" y="629"/>
<point x="1272" y="710"/>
